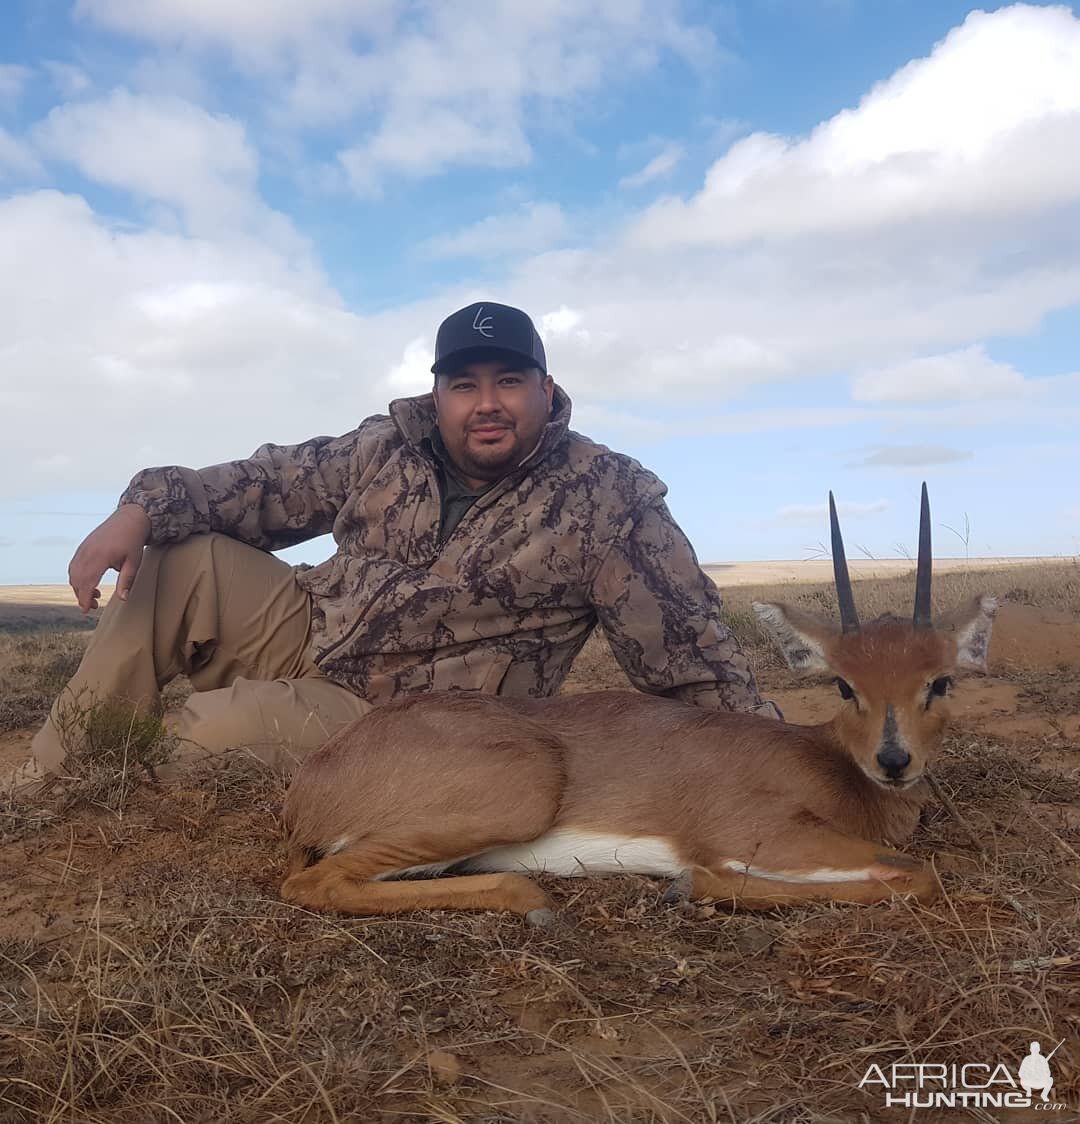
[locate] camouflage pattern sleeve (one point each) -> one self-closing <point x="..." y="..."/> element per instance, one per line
<point x="279" y="496"/>
<point x="661" y="615"/>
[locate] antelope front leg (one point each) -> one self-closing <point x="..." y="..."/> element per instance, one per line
<point x="829" y="867"/>
<point x="750" y="892"/>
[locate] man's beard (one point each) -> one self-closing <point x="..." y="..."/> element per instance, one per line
<point x="494" y="464"/>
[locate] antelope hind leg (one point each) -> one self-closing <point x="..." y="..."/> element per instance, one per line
<point x="421" y="783"/>
<point x="344" y="883"/>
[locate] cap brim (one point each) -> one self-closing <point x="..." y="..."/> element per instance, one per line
<point x="462" y="358"/>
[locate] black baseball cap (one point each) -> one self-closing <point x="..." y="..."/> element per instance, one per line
<point x="487" y="330"/>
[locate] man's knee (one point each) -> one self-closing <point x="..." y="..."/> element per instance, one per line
<point x="230" y="718"/>
<point x="198" y="552"/>
<point x="274" y="720"/>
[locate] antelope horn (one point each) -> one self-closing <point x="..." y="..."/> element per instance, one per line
<point x="921" y="618"/>
<point x="849" y="619"/>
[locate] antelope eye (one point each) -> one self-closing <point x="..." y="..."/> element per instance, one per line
<point x="845" y="689"/>
<point x="941" y="686"/>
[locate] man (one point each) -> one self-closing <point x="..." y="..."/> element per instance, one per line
<point x="479" y="542"/>
<point x="1035" y="1075"/>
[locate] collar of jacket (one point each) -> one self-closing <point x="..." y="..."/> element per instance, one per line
<point x="415" y="419"/>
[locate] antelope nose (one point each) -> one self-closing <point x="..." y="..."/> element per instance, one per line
<point x="894" y="761"/>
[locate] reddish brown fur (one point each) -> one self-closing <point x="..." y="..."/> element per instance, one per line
<point x="436" y="778"/>
<point x="888" y="663"/>
<point x="450" y="765"/>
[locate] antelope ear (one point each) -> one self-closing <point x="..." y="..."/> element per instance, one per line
<point x="802" y="637"/>
<point x="973" y="624"/>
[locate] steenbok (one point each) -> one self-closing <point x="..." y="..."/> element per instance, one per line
<point x="449" y="800"/>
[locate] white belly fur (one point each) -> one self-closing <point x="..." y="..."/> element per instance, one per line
<point x="567" y="852"/>
<point x="825" y="874"/>
<point x="572" y="853"/>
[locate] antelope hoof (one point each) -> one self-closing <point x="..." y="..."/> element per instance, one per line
<point x="542" y="918"/>
<point x="896" y="868"/>
<point x="681" y="889"/>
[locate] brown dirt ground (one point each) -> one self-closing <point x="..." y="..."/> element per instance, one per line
<point x="150" y="972"/>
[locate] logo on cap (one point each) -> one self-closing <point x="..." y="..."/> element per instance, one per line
<point x="485" y="327"/>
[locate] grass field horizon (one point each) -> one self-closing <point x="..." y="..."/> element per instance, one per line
<point x="739" y="572"/>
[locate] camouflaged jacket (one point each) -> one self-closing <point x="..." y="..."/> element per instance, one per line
<point x="575" y="535"/>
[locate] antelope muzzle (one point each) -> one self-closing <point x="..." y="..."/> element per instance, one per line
<point x="892" y="757"/>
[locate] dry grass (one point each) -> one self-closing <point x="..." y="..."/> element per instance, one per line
<point x="20" y="817"/>
<point x="34" y="667"/>
<point x="110" y="748"/>
<point x="214" y="1001"/>
<point x="1049" y="586"/>
<point x="1053" y="692"/>
<point x="165" y="981"/>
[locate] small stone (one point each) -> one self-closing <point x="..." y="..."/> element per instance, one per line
<point x="753" y="939"/>
<point x="541" y="919"/>
<point x="445" y="1067"/>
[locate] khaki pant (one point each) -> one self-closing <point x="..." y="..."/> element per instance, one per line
<point x="235" y="621"/>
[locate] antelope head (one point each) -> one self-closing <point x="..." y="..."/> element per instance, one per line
<point x="893" y="675"/>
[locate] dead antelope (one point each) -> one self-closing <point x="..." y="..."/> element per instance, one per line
<point x="479" y="789"/>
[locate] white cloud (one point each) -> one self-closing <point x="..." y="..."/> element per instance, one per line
<point x="560" y="322"/>
<point x="172" y="74"/>
<point x="256" y="30"/>
<point x="659" y="166"/>
<point x="207" y="349"/>
<point x="169" y="151"/>
<point x="711" y="326"/>
<point x="420" y="141"/>
<point x="423" y="87"/>
<point x="13" y="80"/>
<point x="530" y="229"/>
<point x="69" y="80"/>
<point x="212" y="335"/>
<point x="723" y="364"/>
<point x="987" y="125"/>
<point x="721" y="131"/>
<point x="911" y="456"/>
<point x="160" y="147"/>
<point x="819" y="512"/>
<point x="965" y="374"/>
<point x="711" y="308"/>
<point x="17" y="160"/>
<point x="412" y="375"/>
<point x="636" y="426"/>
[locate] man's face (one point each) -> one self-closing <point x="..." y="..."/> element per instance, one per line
<point x="491" y="417"/>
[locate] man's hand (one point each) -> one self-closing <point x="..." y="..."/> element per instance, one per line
<point x="117" y="544"/>
<point x="769" y="709"/>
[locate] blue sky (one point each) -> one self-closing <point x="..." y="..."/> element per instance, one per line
<point x="774" y="247"/>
